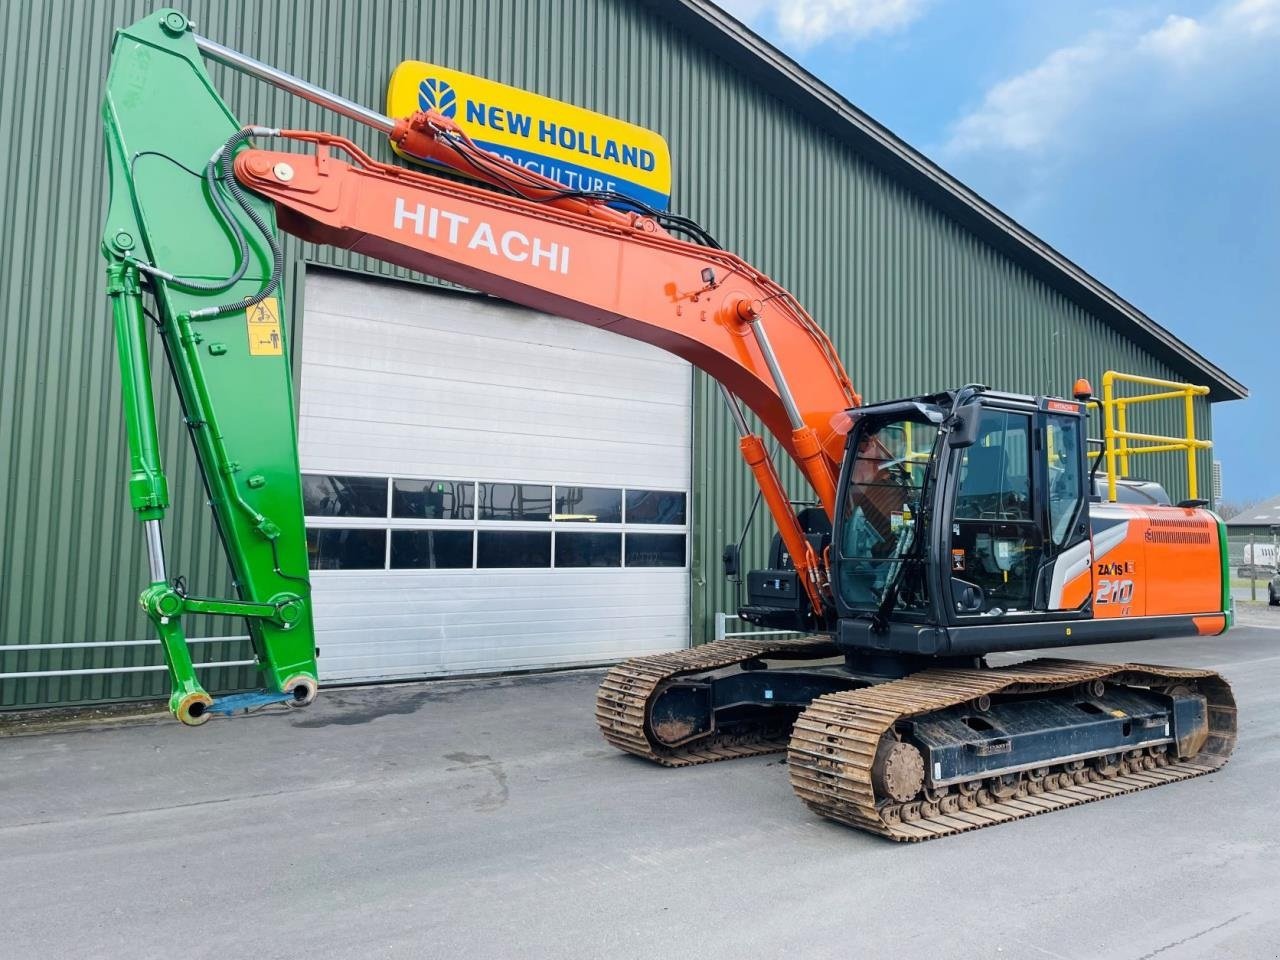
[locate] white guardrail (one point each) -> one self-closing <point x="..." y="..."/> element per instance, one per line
<point x="722" y="631"/>
<point x="97" y="644"/>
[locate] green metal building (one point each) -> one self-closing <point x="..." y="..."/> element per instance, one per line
<point x="1261" y="521"/>
<point x="921" y="283"/>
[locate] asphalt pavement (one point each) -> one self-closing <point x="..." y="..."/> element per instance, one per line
<point x="488" y="819"/>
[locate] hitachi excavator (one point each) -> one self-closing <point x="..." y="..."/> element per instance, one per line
<point x="946" y="527"/>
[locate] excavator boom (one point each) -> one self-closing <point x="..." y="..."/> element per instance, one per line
<point x="698" y="302"/>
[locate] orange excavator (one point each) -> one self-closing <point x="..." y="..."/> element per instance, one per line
<point x="946" y="527"/>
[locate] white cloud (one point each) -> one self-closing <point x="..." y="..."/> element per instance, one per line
<point x="1177" y="40"/>
<point x="805" y="23"/>
<point x="1255" y="17"/>
<point x="1024" y="112"/>
<point x="1140" y="68"/>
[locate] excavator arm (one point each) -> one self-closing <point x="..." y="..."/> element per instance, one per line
<point x="192" y="220"/>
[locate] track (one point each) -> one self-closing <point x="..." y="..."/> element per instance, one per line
<point x="622" y="701"/>
<point x="833" y="745"/>
<point x="835" y="741"/>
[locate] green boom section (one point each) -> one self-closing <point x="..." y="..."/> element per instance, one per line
<point x="164" y="123"/>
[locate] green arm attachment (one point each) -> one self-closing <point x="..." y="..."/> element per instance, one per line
<point x="172" y="228"/>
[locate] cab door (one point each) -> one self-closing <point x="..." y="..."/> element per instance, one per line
<point x="994" y="544"/>
<point x="1066" y="578"/>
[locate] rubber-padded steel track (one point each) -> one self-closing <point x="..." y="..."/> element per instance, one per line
<point x="622" y="702"/>
<point x="834" y="743"/>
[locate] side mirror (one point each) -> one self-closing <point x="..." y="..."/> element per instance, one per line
<point x="964" y="431"/>
<point x="730" y="560"/>
<point x="967" y="596"/>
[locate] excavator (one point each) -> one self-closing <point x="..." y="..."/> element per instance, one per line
<point x="945" y="528"/>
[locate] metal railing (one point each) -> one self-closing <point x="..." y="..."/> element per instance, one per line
<point x="1119" y="439"/>
<point x="722" y="631"/>
<point x="107" y="644"/>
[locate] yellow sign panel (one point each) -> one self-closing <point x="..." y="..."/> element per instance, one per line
<point x="579" y="148"/>
<point x="263" y="321"/>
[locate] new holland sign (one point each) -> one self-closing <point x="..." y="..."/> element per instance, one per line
<point x="579" y="148"/>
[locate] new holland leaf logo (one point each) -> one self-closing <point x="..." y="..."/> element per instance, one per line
<point x="437" y="95"/>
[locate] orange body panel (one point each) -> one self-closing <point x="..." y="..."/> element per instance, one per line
<point x="1154" y="561"/>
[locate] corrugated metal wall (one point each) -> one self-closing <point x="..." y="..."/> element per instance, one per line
<point x="913" y="302"/>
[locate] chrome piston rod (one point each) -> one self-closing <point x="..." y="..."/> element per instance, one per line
<point x="735" y="410"/>
<point x="294" y="85"/>
<point x="155" y="550"/>
<point x="775" y="370"/>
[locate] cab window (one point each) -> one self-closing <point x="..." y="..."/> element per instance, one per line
<point x="1062" y="450"/>
<point x="995" y="474"/>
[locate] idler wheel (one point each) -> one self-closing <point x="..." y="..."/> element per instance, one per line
<point x="898" y="771"/>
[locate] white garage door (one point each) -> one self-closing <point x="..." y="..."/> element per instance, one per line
<point x="488" y="488"/>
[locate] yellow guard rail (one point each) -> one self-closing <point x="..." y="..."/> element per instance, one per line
<point x="1119" y="438"/>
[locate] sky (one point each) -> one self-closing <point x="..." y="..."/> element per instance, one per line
<point x="1141" y="140"/>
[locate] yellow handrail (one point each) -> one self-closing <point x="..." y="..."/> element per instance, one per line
<point x="1117" y="435"/>
<point x="909" y="452"/>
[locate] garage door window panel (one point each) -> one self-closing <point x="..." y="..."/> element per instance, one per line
<point x="588" y="549"/>
<point x="515" y="502"/>
<point x="588" y="505"/>
<point x="338" y="548"/>
<point x="433" y="499"/>
<point x="332" y="495"/>
<point x="513" y="549"/>
<point x="655" y="549"/>
<point x="431" y="549"/>
<point x="656" y="506"/>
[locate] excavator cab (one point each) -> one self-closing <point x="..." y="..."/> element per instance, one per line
<point x="958" y="516"/>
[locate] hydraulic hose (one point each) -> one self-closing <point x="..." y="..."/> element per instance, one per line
<point x="228" y="179"/>
<point x="219" y="174"/>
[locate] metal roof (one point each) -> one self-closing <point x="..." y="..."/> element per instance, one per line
<point x="1264" y="514"/>
<point x="790" y="82"/>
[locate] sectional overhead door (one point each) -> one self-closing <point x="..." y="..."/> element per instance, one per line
<point x="488" y="488"/>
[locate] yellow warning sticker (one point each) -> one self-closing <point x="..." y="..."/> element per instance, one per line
<point x="263" y="320"/>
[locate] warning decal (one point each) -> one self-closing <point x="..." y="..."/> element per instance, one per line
<point x="263" y="321"/>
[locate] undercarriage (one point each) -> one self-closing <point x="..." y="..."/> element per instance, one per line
<point x="916" y="754"/>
